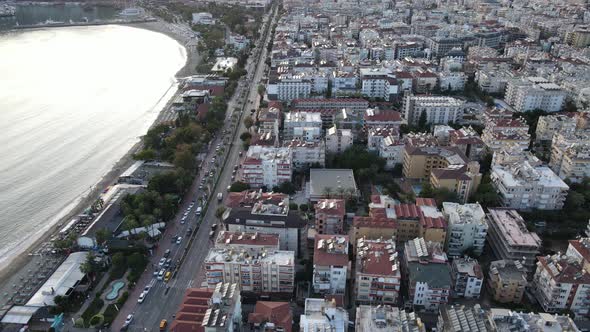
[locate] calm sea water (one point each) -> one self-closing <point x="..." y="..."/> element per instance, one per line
<point x="33" y="14"/>
<point x="72" y="102"/>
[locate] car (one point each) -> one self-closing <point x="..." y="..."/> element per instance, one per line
<point x="201" y="187"/>
<point x="162" y="261"/>
<point x="156" y="271"/>
<point x="163" y="324"/>
<point x="129" y="319"/>
<point x="183" y="220"/>
<point x="141" y="297"/>
<point x="233" y="177"/>
<point x="161" y="274"/>
<point x="185" y="213"/>
<point x="167" y="253"/>
<point x="178" y="240"/>
<point x="190" y="206"/>
<point x="146" y="289"/>
<point x="236" y="167"/>
<point x="189" y="231"/>
<point x="168" y="276"/>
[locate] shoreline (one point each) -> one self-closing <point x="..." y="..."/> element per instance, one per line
<point x="22" y="258"/>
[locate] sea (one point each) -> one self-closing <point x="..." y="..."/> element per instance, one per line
<point x="73" y="101"/>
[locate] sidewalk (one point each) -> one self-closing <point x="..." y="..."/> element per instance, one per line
<point x="69" y="321"/>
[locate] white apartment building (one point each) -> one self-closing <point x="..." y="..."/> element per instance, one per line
<point x="527" y="94"/>
<point x="376" y="135"/>
<point x="304" y="126"/>
<point x="467" y="277"/>
<point x="561" y="283"/>
<point x="386" y="318"/>
<point x="438" y="109"/>
<point x="331" y="266"/>
<point x="493" y="81"/>
<point x="255" y="270"/>
<point x="203" y="18"/>
<point x="428" y="274"/>
<point x="392" y="150"/>
<point x="377" y="273"/>
<point x="378" y="83"/>
<point x="502" y="132"/>
<point x="523" y="186"/>
<point x="338" y="140"/>
<point x="239" y="42"/>
<point x="570" y="156"/>
<point x="466" y="228"/>
<point x="451" y="81"/>
<point x="509" y="238"/>
<point x="267" y="166"/>
<point x="307" y="154"/>
<point x="323" y="315"/>
<point x="344" y="83"/>
<point x="549" y="125"/>
<point x="289" y="87"/>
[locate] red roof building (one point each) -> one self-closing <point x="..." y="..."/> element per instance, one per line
<point x="329" y="216"/>
<point x="278" y="314"/>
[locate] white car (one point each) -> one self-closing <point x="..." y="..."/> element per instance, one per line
<point x="162" y="261"/>
<point x="178" y="240"/>
<point x="129" y="319"/>
<point x="141" y="297"/>
<point x="161" y="274"/>
<point x="183" y="220"/>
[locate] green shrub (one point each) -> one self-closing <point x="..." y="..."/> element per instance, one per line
<point x="109" y="314"/>
<point x="93" y="309"/>
<point x="79" y="322"/>
<point x="123" y="298"/>
<point x="96" y="320"/>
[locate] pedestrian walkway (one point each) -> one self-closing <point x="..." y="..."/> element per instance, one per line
<point x="69" y="322"/>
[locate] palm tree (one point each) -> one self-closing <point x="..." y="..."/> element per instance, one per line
<point x="340" y="192"/>
<point x="327" y="192"/>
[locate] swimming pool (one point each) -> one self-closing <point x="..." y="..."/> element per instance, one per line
<point x="114" y="292"/>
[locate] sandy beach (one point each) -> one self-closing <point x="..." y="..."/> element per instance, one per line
<point x="21" y="260"/>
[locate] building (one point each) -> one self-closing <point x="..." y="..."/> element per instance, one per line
<point x="419" y="161"/>
<point x="468" y="141"/>
<point x="523" y="186"/>
<point x="323" y="315"/>
<point x="269" y="120"/>
<point x="579" y="36"/>
<point x="247" y="241"/>
<point x="391" y="149"/>
<point x="462" y="180"/>
<point x="428" y="274"/>
<point x="549" y="125"/>
<point x="248" y="198"/>
<point x="224" y="64"/>
<point x="204" y="310"/>
<point x="287" y="87"/>
<point x="237" y="41"/>
<point x="203" y="18"/>
<point x="327" y="183"/>
<point x="509" y="239"/>
<point x="378" y="83"/>
<point x="271" y="317"/>
<point x="307" y="154"/>
<point x="353" y="104"/>
<point x="570" y="156"/>
<point x="467" y="277"/>
<point x="270" y="218"/>
<point x="376" y="135"/>
<point x="561" y="283"/>
<point x="304" y="126"/>
<point x="331" y="266"/>
<point x="338" y="140"/>
<point x="377" y="273"/>
<point x="451" y="80"/>
<point x="267" y="166"/>
<point x="506" y="281"/>
<point x="375" y="117"/>
<point x="466" y="230"/>
<point x="438" y="109"/>
<point x="329" y="216"/>
<point x="501" y="132"/>
<point x="505" y="320"/>
<point x="441" y="46"/>
<point x="527" y="94"/>
<point x="455" y="318"/>
<point x="386" y="318"/>
<point x="255" y="269"/>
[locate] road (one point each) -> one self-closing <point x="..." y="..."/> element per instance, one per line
<point x="164" y="299"/>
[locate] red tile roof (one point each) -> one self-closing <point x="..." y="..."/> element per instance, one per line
<point x="257" y="239"/>
<point x="331" y="207"/>
<point x="278" y="313"/>
<point x="384" y="116"/>
<point x="192" y="310"/>
<point x="420" y="201"/>
<point x="322" y="257"/>
<point x="407" y="211"/>
<point x="377" y="261"/>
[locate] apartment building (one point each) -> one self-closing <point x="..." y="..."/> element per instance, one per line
<point x="579" y="36"/>
<point x="460" y="179"/>
<point x="306" y="154"/>
<point x="467" y="277"/>
<point x="451" y="80"/>
<point x="509" y="239"/>
<point x="527" y="94"/>
<point x="377" y="273"/>
<point x="267" y="166"/>
<point x="241" y="241"/>
<point x="271" y="317"/>
<point x="570" y="156"/>
<point x="428" y="273"/>
<point x="216" y="310"/>
<point x="269" y="120"/>
<point x="549" y="125"/>
<point x="466" y="230"/>
<point x="329" y="216"/>
<point x="323" y="315"/>
<point x="523" y="186"/>
<point x="338" y="140"/>
<point x="493" y="81"/>
<point x="304" y="126"/>
<point x="248" y="198"/>
<point x="378" y="83"/>
<point x="353" y="104"/>
<point x="287" y="87"/>
<point x="468" y="141"/>
<point x="419" y="161"/>
<point x="508" y="320"/>
<point x="380" y="118"/>
<point x="386" y="318"/>
<point x="255" y="270"/>
<point x="331" y="266"/>
<point x="461" y="318"/>
<point x="376" y="135"/>
<point x="441" y="46"/>
<point x="438" y="109"/>
<point x="501" y="131"/>
<point x="506" y="281"/>
<point x="344" y="84"/>
<point x="561" y="283"/>
<point x="269" y="217"/>
<point x="391" y="149"/>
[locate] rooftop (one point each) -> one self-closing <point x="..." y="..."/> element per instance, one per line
<point x="462" y="318"/>
<point x="277" y="313"/>
<point x="513" y="228"/>
<point x="377" y="257"/>
<point x="251" y="256"/>
<point x="335" y="179"/>
<point x="418" y="250"/>
<point x="331" y="206"/>
<point x="386" y="318"/>
<point x="258" y="152"/>
<point x="435" y="275"/>
<point x="226" y="238"/>
<point x="464" y="213"/>
<point x="323" y="315"/>
<point x="331" y="250"/>
<point x="468" y="266"/>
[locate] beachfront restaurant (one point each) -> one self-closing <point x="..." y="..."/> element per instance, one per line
<point x="66" y="279"/>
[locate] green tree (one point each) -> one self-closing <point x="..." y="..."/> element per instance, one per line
<point x="423" y="121"/>
<point x="90" y="266"/>
<point x="293" y="206"/>
<point x="261" y="90"/>
<point x="248" y="122"/>
<point x="183" y="157"/>
<point x="145" y="154"/>
<point x="102" y="235"/>
<point x="239" y="187"/>
<point x="245" y="136"/>
<point x="136" y="261"/>
<point x="285" y="188"/>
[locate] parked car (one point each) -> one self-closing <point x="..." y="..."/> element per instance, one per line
<point x="162" y="261"/>
<point x="167" y="253"/>
<point x="178" y="240"/>
<point x="129" y="319"/>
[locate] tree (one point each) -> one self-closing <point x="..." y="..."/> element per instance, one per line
<point x="293" y="206"/>
<point x="145" y="154"/>
<point x="486" y="195"/>
<point x="327" y="192"/>
<point x="423" y="121"/>
<point x="102" y="235"/>
<point x="136" y="261"/>
<point x="183" y="157"/>
<point x="285" y="188"/>
<point x="90" y="266"/>
<point x="303" y="207"/>
<point x="261" y="90"/>
<point x="219" y="212"/>
<point x="248" y="122"/>
<point x="239" y="187"/>
<point x="245" y="136"/>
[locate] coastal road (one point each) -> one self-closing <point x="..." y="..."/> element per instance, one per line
<point x="164" y="299"/>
